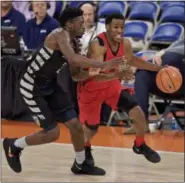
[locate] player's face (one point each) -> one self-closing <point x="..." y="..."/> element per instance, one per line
<point x="78" y="26"/>
<point x="115" y="29"/>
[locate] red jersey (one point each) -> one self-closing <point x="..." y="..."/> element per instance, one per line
<point x="91" y="84"/>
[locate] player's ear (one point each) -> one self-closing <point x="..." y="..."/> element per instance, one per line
<point x="69" y="24"/>
<point x="107" y="26"/>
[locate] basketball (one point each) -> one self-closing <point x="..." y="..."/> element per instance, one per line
<point x="169" y="79"/>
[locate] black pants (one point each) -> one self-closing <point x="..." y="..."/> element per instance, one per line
<point x="145" y="82"/>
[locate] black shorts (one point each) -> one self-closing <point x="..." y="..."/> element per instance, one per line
<point x="48" y="108"/>
<point x="126" y="101"/>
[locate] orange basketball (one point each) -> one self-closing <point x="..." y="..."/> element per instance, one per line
<point x="169" y="79"/>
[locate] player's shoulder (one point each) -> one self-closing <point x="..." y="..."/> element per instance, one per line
<point x="97" y="44"/>
<point x="58" y="31"/>
<point x="95" y="41"/>
<point x="59" y="34"/>
<point x="98" y="41"/>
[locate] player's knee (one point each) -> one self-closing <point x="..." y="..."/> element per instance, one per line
<point x="52" y="134"/>
<point x="92" y="127"/>
<point x="74" y="125"/>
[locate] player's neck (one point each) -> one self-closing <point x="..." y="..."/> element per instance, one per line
<point x="5" y="11"/>
<point x="111" y="41"/>
<point x="71" y="33"/>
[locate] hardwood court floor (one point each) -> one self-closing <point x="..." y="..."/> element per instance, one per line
<point x="52" y="162"/>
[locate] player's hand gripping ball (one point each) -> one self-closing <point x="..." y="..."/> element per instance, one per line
<point x="169" y="79"/>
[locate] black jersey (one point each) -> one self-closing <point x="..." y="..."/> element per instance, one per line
<point x="42" y="70"/>
<point x="45" y="64"/>
<point x="41" y="92"/>
<point x="40" y="77"/>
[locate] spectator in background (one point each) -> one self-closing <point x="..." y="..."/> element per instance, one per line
<point x="92" y="27"/>
<point x="39" y="27"/>
<point x="12" y="17"/>
<point x="23" y="6"/>
<point x="60" y="5"/>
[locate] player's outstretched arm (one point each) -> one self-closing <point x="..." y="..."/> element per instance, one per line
<point x="136" y="61"/>
<point x="78" y="60"/>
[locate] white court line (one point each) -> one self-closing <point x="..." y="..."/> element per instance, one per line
<point x="115" y="148"/>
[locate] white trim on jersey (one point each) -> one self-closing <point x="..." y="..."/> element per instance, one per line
<point x="27" y="82"/>
<point x="26" y="85"/>
<point x="29" y="78"/>
<point x="30" y="102"/>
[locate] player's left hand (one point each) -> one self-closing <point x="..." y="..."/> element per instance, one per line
<point x="163" y="66"/>
<point x="157" y="60"/>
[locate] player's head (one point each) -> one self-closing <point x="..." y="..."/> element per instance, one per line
<point x="72" y="20"/>
<point x="115" y="26"/>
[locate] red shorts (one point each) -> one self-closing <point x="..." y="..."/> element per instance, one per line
<point x="90" y="102"/>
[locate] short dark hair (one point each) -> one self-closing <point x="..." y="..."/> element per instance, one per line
<point x="109" y="18"/>
<point x="69" y="14"/>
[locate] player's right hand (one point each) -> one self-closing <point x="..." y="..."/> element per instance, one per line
<point x="94" y="71"/>
<point x="112" y="63"/>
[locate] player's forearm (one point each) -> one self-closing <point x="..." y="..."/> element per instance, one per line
<point x="82" y="61"/>
<point x="81" y="76"/>
<point x="141" y="64"/>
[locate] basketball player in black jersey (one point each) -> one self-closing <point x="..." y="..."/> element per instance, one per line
<point x="45" y="99"/>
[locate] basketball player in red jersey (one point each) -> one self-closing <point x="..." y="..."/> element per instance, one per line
<point x="107" y="87"/>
